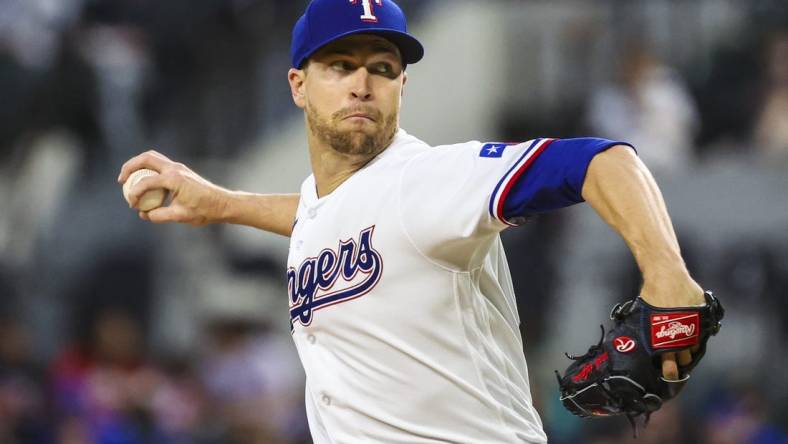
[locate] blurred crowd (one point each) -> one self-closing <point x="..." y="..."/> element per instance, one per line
<point x="86" y="84"/>
<point x="106" y="388"/>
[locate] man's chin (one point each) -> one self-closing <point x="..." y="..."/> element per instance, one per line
<point x="358" y="133"/>
<point x="358" y="143"/>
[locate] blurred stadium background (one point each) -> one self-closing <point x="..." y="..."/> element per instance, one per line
<point x="116" y="331"/>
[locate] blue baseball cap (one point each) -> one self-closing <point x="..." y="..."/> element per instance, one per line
<point x="328" y="20"/>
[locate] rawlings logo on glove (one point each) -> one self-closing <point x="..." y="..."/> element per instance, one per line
<point x="624" y="344"/>
<point x="665" y="329"/>
<point x="620" y="375"/>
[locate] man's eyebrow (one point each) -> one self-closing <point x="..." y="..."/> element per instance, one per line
<point x="337" y="51"/>
<point x="348" y="50"/>
<point x="382" y="47"/>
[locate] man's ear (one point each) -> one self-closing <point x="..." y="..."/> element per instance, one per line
<point x="404" y="81"/>
<point x="297" y="79"/>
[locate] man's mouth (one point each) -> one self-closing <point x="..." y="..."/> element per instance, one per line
<point x="355" y="116"/>
<point x="359" y="114"/>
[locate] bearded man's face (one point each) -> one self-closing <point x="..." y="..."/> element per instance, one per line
<point x="353" y="93"/>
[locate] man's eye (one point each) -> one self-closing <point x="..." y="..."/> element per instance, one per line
<point x="382" y="68"/>
<point x="341" y="65"/>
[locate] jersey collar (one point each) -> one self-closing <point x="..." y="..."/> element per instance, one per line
<point x="309" y="188"/>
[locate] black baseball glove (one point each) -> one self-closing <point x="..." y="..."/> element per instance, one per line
<point x="622" y="374"/>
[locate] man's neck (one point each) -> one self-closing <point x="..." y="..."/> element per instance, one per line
<point x="331" y="168"/>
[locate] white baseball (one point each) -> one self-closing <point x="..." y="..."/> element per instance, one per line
<point x="152" y="198"/>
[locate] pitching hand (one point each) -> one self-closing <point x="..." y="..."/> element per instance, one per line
<point x="193" y="200"/>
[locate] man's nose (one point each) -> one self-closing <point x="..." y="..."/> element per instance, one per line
<point x="361" y="88"/>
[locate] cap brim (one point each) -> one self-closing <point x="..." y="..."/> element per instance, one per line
<point x="411" y="49"/>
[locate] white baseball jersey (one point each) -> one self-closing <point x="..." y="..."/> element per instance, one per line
<point x="401" y="302"/>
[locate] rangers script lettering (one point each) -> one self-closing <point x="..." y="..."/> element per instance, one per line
<point x="322" y="272"/>
<point x="369" y="11"/>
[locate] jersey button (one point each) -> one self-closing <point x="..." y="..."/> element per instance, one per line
<point x="312" y="213"/>
<point x="326" y="400"/>
<point x="311" y="338"/>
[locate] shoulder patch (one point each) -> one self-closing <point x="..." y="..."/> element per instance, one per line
<point x="493" y="150"/>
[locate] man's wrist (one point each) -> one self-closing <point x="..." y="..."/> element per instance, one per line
<point x="229" y="206"/>
<point x="658" y="264"/>
<point x="672" y="289"/>
<point x="672" y="273"/>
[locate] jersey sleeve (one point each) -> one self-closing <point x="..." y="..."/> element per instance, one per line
<point x="454" y="197"/>
<point x="553" y="180"/>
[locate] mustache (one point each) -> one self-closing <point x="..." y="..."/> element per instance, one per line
<point x="371" y="112"/>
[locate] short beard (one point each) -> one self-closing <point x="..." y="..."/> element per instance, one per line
<point x="355" y="143"/>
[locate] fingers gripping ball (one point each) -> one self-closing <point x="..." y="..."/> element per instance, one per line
<point x="622" y="375"/>
<point x="152" y="199"/>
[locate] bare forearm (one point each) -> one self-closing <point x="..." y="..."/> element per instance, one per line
<point x="623" y="192"/>
<point x="274" y="213"/>
<point x="196" y="201"/>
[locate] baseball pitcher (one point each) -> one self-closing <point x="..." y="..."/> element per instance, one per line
<point x="401" y="301"/>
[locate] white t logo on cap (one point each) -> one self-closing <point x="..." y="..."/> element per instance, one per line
<point x="369" y="12"/>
